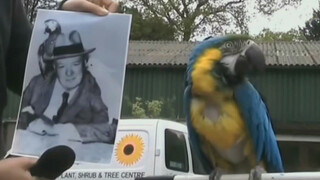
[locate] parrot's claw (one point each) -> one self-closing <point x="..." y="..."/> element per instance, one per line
<point x="256" y="173"/>
<point x="216" y="174"/>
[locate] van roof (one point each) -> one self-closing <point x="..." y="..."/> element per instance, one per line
<point x="150" y="122"/>
<point x="146" y="121"/>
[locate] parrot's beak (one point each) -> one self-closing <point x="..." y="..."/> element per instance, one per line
<point x="47" y="30"/>
<point x="251" y="60"/>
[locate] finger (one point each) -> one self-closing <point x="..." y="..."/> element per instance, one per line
<point x="97" y="2"/>
<point x="26" y="163"/>
<point x="94" y="8"/>
<point x="111" y="5"/>
<point x="84" y="6"/>
<point x="28" y="176"/>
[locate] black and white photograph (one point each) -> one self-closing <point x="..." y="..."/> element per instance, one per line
<point x="73" y="85"/>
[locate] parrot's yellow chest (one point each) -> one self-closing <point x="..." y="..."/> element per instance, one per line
<point x="220" y="125"/>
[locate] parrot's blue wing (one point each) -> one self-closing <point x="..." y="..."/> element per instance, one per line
<point x="257" y="119"/>
<point x="193" y="136"/>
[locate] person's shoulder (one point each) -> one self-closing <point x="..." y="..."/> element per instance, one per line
<point x="89" y="78"/>
<point x="91" y="83"/>
<point x="37" y="78"/>
<point x="40" y="79"/>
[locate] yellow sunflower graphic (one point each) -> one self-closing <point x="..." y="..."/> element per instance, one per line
<point x="130" y="149"/>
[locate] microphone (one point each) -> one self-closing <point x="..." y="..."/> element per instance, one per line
<point x="53" y="162"/>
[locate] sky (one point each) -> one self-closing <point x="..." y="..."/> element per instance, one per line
<point x="284" y="19"/>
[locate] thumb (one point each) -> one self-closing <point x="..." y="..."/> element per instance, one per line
<point x="26" y="163"/>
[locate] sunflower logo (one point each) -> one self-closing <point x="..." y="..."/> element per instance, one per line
<point x="130" y="149"/>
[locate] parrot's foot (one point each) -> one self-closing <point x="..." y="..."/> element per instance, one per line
<point x="216" y="174"/>
<point x="256" y="173"/>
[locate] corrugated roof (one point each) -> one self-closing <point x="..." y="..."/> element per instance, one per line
<point x="159" y="52"/>
<point x="174" y="53"/>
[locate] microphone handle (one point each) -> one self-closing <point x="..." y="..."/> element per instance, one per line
<point x="40" y="178"/>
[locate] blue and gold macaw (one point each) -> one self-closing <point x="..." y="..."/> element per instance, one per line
<point x="228" y="121"/>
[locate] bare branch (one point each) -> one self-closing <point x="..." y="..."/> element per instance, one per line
<point x="176" y="9"/>
<point x="201" y="3"/>
<point x="197" y="25"/>
<point x="224" y="7"/>
<point x="150" y="8"/>
<point x="185" y="10"/>
<point x="33" y="9"/>
<point x="268" y="7"/>
<point x="156" y="13"/>
<point x="218" y="10"/>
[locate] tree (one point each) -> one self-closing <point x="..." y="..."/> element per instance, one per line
<point x="311" y="31"/>
<point x="148" y="28"/>
<point x="267" y="35"/>
<point x="192" y="17"/>
<point x="31" y="7"/>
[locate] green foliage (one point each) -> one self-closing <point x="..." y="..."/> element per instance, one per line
<point x="311" y="31"/>
<point x="266" y="35"/>
<point x="138" y="109"/>
<point x="146" y="109"/>
<point x="31" y="7"/>
<point x="190" y="18"/>
<point x="126" y="108"/>
<point x="154" y="108"/>
<point x="148" y="27"/>
<point x="168" y="110"/>
<point x="162" y="108"/>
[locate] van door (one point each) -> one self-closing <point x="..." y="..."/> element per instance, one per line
<point x="134" y="148"/>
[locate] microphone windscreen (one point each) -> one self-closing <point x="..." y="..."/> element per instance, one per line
<point x="53" y="162"/>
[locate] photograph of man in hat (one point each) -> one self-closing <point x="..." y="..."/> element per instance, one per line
<point x="65" y="99"/>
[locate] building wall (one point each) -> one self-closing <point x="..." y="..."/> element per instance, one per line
<point x="11" y="110"/>
<point x="292" y="94"/>
<point x="166" y="84"/>
<point x="293" y="98"/>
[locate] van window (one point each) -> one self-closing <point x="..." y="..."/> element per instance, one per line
<point x="176" y="153"/>
<point x="198" y="167"/>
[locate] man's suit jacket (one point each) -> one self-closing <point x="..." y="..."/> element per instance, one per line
<point x="86" y="110"/>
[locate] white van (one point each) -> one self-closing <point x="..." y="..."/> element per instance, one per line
<point x="143" y="147"/>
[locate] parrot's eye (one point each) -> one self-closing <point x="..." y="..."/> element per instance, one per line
<point x="248" y="42"/>
<point x="228" y="45"/>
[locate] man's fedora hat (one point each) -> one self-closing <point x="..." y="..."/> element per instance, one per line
<point x="65" y="47"/>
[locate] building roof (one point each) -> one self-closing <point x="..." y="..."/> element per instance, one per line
<point x="174" y="53"/>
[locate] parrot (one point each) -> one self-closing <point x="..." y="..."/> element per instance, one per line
<point x="229" y="125"/>
<point x="53" y="29"/>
